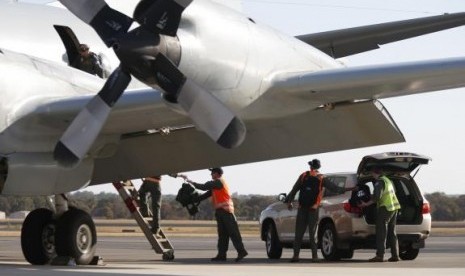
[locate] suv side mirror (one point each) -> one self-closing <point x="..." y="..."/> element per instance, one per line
<point x="282" y="197"/>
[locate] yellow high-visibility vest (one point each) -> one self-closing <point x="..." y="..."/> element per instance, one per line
<point x="388" y="197"/>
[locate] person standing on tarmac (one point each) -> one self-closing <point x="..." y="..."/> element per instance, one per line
<point x="227" y="226"/>
<point x="310" y="184"/>
<point x="387" y="206"/>
<point x="151" y="185"/>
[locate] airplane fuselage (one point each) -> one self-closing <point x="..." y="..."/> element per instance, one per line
<point x="223" y="51"/>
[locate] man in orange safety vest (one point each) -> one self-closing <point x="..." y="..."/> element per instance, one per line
<point x="222" y="202"/>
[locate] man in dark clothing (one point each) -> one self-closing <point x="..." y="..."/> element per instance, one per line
<point x="88" y="61"/>
<point x="151" y="185"/>
<point x="222" y="202"/>
<point x="310" y="184"/>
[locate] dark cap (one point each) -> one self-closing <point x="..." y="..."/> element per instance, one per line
<point x="315" y="164"/>
<point x="217" y="170"/>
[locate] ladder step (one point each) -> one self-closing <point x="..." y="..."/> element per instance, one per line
<point x="129" y="194"/>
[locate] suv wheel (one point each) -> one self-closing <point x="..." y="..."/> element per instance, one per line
<point x="328" y="242"/>
<point x="409" y="253"/>
<point x="274" y="248"/>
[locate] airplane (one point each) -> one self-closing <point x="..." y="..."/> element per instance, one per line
<point x="193" y="84"/>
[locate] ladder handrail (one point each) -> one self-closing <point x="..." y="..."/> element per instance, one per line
<point x="161" y="245"/>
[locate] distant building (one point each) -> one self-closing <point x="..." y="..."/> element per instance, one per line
<point x="19" y="215"/>
<point x="2" y="215"/>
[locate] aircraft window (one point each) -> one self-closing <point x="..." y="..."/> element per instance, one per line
<point x="92" y="63"/>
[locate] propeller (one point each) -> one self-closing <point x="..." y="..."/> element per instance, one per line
<point x="151" y="53"/>
<point x="83" y="131"/>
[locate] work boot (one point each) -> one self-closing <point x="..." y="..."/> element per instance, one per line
<point x="156" y="232"/>
<point x="241" y="255"/>
<point x="393" y="259"/>
<point x="294" y="259"/>
<point x="316" y="260"/>
<point x="218" y="258"/>
<point x="376" y="259"/>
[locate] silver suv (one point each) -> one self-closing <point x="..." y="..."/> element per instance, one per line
<point x="343" y="227"/>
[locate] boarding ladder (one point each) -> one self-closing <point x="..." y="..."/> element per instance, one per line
<point x="160" y="243"/>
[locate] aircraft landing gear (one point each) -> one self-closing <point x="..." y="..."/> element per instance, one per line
<point x="37" y="237"/>
<point x="76" y="236"/>
<point x="67" y="232"/>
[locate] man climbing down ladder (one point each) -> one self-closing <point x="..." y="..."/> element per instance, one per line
<point x="150" y="205"/>
<point x="158" y="240"/>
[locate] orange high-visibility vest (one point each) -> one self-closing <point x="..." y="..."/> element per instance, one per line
<point x="221" y="198"/>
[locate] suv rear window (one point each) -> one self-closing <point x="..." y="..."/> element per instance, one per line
<point x="340" y="181"/>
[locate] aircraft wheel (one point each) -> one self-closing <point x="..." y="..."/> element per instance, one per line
<point x="76" y="236"/>
<point x="37" y="237"/>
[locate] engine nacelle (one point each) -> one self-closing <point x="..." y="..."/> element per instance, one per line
<point x="33" y="174"/>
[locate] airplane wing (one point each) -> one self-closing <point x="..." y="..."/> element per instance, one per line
<point x="142" y="133"/>
<point x="139" y="110"/>
<point x="370" y="82"/>
<point x="349" y="126"/>
<point x="356" y="120"/>
<point x="346" y="42"/>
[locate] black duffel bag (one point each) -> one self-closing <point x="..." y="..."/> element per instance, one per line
<point x="188" y="197"/>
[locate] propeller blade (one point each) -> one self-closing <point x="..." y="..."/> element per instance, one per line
<point x="81" y="134"/>
<point x="208" y="113"/>
<point x="162" y="16"/>
<point x="211" y="115"/>
<point x="107" y="22"/>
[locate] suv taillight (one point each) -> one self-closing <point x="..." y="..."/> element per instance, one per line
<point x="426" y="208"/>
<point x="351" y="209"/>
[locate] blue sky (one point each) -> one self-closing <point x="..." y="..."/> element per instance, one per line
<point x="433" y="123"/>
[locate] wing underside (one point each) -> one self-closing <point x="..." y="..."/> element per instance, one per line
<point x="347" y="126"/>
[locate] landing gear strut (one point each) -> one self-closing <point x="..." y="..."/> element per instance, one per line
<point x="66" y="233"/>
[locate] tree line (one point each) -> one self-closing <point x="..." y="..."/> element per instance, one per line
<point x="247" y="207"/>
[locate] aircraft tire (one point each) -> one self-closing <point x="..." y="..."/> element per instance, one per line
<point x="76" y="236"/>
<point x="37" y="234"/>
